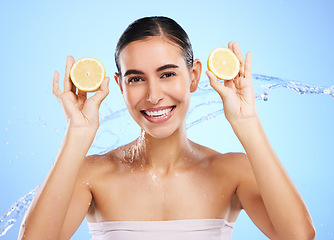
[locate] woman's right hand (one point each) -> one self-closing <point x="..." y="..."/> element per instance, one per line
<point x="80" y="112"/>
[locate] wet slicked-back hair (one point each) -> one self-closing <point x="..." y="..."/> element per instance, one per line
<point x="155" y="26"/>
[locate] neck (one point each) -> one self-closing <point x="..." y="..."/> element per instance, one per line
<point x="162" y="155"/>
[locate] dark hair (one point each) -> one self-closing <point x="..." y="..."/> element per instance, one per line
<point x="155" y="26"/>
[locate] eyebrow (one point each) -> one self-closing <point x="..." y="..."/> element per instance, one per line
<point x="132" y="71"/>
<point x="164" y="67"/>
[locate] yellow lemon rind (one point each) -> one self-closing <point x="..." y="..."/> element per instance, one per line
<point x="217" y="73"/>
<point x="77" y="85"/>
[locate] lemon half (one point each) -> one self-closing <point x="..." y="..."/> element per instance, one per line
<point x="87" y="74"/>
<point x="223" y="63"/>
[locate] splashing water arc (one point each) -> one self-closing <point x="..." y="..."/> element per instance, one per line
<point x="204" y="98"/>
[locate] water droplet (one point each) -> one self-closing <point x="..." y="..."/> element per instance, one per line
<point x="154" y="178"/>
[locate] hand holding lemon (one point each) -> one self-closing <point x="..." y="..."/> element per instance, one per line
<point x="86" y="74"/>
<point x="237" y="94"/>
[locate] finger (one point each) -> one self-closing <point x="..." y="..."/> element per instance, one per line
<point x="55" y="85"/>
<point x="102" y="93"/>
<point x="68" y="85"/>
<point x="82" y="97"/>
<point x="230" y="45"/>
<point x="230" y="83"/>
<point x="73" y="88"/>
<point x="248" y="65"/>
<point x="216" y="85"/>
<point x="82" y="94"/>
<point x="237" y="51"/>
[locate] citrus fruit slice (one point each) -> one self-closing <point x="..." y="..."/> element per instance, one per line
<point x="223" y="63"/>
<point x="87" y="74"/>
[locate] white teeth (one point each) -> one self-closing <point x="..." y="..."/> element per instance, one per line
<point x="160" y="113"/>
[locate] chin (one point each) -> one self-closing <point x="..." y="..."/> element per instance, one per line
<point x="160" y="133"/>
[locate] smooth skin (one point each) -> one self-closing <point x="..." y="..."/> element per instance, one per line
<point x="163" y="175"/>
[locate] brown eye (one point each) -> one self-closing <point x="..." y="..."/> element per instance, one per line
<point x="134" y="80"/>
<point x="168" y="74"/>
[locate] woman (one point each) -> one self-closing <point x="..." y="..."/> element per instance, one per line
<point x="162" y="185"/>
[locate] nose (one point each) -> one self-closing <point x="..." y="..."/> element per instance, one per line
<point x="154" y="92"/>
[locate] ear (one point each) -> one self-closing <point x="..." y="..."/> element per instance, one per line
<point x="195" y="74"/>
<point x="118" y="81"/>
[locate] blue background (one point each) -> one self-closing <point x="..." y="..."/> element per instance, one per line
<point x="288" y="39"/>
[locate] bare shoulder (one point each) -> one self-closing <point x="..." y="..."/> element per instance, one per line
<point x="101" y="164"/>
<point x="231" y="161"/>
<point x="231" y="167"/>
<point x="237" y="165"/>
<point x="230" y="171"/>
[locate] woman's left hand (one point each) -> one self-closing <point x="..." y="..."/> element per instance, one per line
<point x="237" y="95"/>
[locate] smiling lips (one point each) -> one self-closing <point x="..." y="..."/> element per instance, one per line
<point x="158" y="115"/>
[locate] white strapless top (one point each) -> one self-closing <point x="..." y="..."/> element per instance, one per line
<point x="192" y="229"/>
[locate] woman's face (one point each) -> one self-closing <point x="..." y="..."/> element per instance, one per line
<point x="156" y="84"/>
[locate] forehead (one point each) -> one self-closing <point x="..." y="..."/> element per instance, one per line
<point x="152" y="52"/>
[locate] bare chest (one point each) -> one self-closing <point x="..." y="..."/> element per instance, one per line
<point x="150" y="196"/>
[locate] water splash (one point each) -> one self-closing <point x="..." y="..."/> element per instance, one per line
<point x="135" y="151"/>
<point x="16" y="211"/>
<point x="267" y="83"/>
<point x="206" y="105"/>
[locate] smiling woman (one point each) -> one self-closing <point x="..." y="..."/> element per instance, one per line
<point x="162" y="82"/>
<point x="163" y="185"/>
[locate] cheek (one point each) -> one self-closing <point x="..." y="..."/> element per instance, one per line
<point x="132" y="96"/>
<point x="180" y="90"/>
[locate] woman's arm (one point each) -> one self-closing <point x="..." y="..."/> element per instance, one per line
<point x="49" y="209"/>
<point x="284" y="207"/>
<point x="284" y="212"/>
